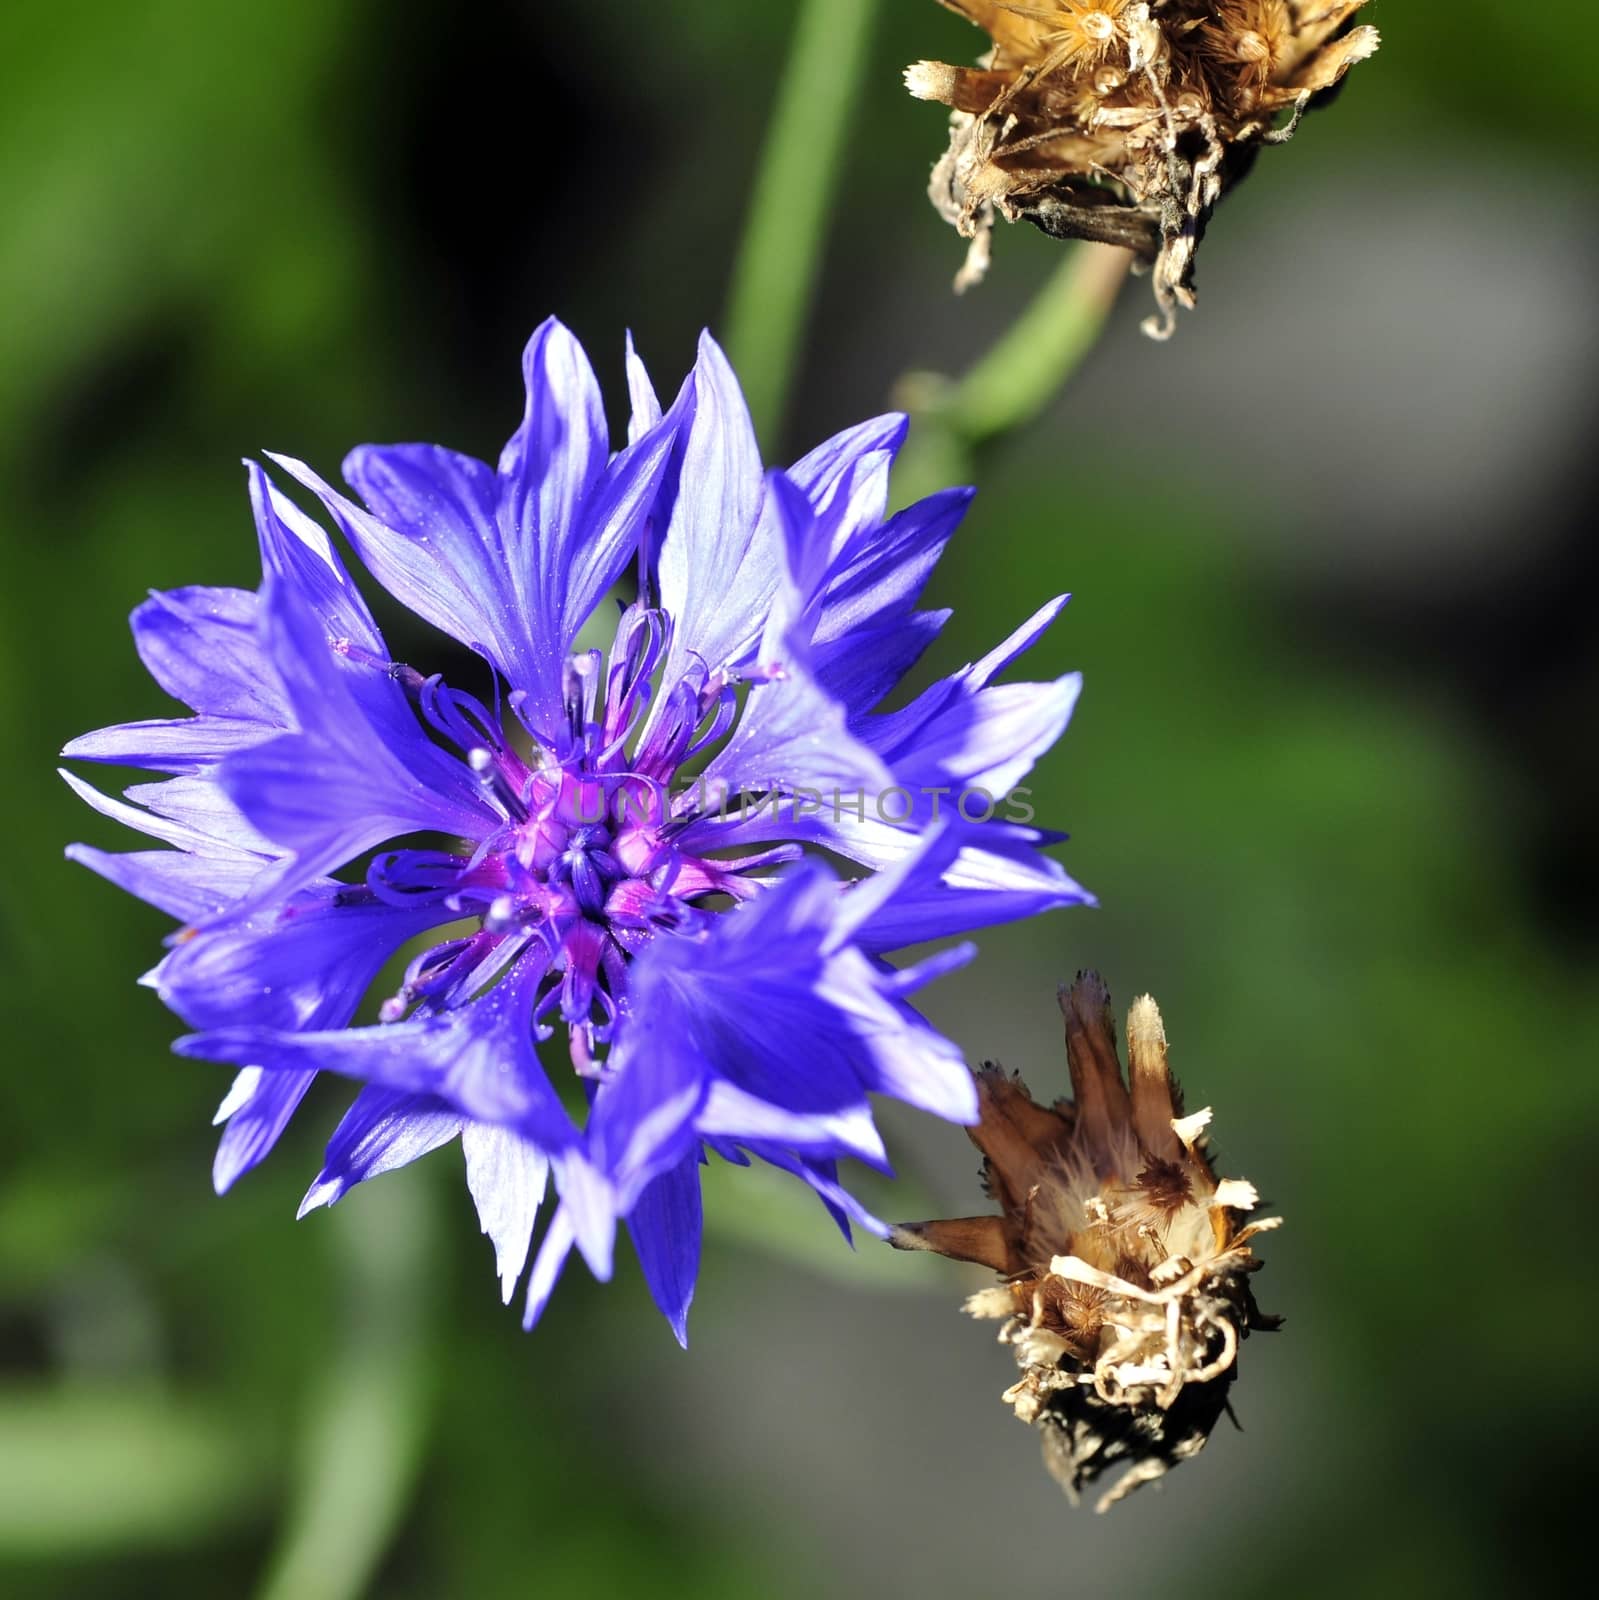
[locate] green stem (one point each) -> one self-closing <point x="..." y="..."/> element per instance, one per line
<point x="1014" y="382"/>
<point x="785" y="231"/>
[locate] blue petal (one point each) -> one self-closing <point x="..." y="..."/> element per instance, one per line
<point x="571" y="516"/>
<point x="299" y="555"/>
<point x="753" y="998"/>
<point x="885" y="570"/>
<point x="867" y="634"/>
<point x="997" y="875"/>
<point x="579" y="570"/>
<point x="557" y="456"/>
<point x="204" y="646"/>
<point x="257" y="1110"/>
<point x="200" y="802"/>
<point x="589" y="1202"/>
<point x="908" y="1060"/>
<point x="667" y="1224"/>
<point x="304" y="965"/>
<point x="507" y="1177"/>
<point x="860" y="576"/>
<point x="586" y="1217"/>
<point x="382" y="1131"/>
<point x="430" y="535"/>
<point x="201" y="645"/>
<point x="479" y="1058"/>
<point x="986" y="742"/>
<point x="730" y="1112"/>
<point x="847" y="476"/>
<point x="642" y="1120"/>
<point x="301" y="568"/>
<point x="790" y="1030"/>
<point x="510" y="563"/>
<point x="894" y="733"/>
<point x="845" y="483"/>
<point x="646" y="416"/>
<point x="343" y="784"/>
<point x="793" y="738"/>
<point x="822" y="1177"/>
<point x="869" y="663"/>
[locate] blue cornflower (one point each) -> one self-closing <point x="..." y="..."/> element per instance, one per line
<point x="626" y="852"/>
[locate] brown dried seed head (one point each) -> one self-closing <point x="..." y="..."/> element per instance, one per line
<point x="1125" y="120"/>
<point x="1125" y="1261"/>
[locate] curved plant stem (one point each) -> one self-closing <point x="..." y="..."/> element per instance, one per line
<point x="786" y="228"/>
<point x="1032" y="361"/>
<point x="1011" y="385"/>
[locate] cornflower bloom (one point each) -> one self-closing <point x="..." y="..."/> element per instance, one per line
<point x="626" y="853"/>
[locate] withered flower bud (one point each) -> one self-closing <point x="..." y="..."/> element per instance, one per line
<point x="1126" y="120"/>
<point x="1125" y="1260"/>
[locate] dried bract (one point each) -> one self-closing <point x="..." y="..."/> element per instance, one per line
<point x="1125" y="120"/>
<point x="1126" y="1261"/>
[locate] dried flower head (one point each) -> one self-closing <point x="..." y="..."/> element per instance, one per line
<point x="1126" y="120"/>
<point x="1126" y="1260"/>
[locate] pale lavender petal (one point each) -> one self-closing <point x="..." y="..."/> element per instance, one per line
<point x="186" y="886"/>
<point x="719" y="563"/>
<point x="507" y="1177"/>
<point x="555" y="1247"/>
<point x="182" y="745"/>
<point x="184" y="834"/>
<point x="646" y="405"/>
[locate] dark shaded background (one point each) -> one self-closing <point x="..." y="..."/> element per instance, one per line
<point x="1333" y="779"/>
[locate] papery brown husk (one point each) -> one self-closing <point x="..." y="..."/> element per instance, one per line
<point x="1124" y="121"/>
<point x="1125" y="1261"/>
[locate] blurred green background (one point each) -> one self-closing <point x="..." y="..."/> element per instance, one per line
<point x="1332" y="778"/>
